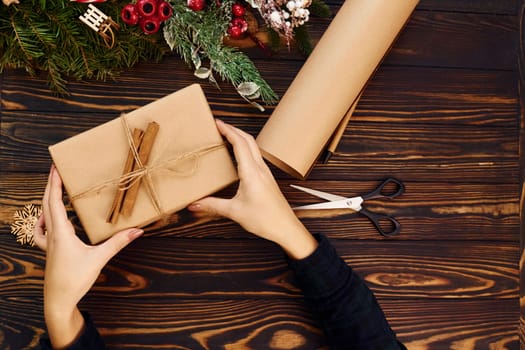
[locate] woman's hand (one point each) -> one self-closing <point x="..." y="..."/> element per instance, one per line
<point x="259" y="205"/>
<point x="71" y="266"/>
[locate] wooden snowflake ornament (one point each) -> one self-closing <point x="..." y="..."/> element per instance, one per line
<point x="25" y="221"/>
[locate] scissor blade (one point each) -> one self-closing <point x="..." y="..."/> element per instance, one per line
<point x="320" y="194"/>
<point x="347" y="203"/>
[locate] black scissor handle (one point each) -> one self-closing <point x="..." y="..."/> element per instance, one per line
<point x="386" y="225"/>
<point x="379" y="192"/>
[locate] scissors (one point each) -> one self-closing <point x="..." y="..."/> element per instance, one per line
<point x="354" y="203"/>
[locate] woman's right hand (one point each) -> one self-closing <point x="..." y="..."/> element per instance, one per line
<point x="259" y="205"/>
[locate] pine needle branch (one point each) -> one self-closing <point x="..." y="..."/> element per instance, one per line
<point x="197" y="36"/>
<point x="43" y="35"/>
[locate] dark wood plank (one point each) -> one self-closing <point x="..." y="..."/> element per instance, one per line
<point x="442" y="113"/>
<point x="475" y="6"/>
<point x="471" y="6"/>
<point x="368" y="150"/>
<point x="521" y="328"/>
<point x="440" y="96"/>
<point x="433" y="293"/>
<point x="427" y="211"/>
<point x="475" y="325"/>
<point x="476" y="38"/>
<point x="389" y="267"/>
<point x="484" y="41"/>
<point x="435" y="327"/>
<point x="521" y="61"/>
<point x="133" y="323"/>
<point x="404" y="94"/>
<point x="234" y="268"/>
<point x="481" y="40"/>
<point x="463" y="154"/>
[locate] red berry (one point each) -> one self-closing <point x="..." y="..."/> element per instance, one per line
<point x="149" y="25"/>
<point x="130" y="15"/>
<point x="165" y="11"/>
<point x="196" y="5"/>
<point x="237" y="28"/>
<point x="238" y="10"/>
<point x="235" y="32"/>
<point x="146" y="8"/>
<point x="241" y="23"/>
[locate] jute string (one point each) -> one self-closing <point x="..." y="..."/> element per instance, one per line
<point x="144" y="172"/>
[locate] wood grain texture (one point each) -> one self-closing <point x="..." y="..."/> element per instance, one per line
<point x="443" y="113"/>
<point x="238" y="268"/>
<point x="497" y="50"/>
<point x="494" y="7"/>
<point x="155" y="323"/>
<point x="453" y="153"/>
<point x="427" y="211"/>
<point x="194" y="292"/>
<point x="521" y="71"/>
<point x="396" y="94"/>
<point x="404" y="94"/>
<point x="510" y="7"/>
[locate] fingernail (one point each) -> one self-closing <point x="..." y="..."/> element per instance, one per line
<point x="194" y="206"/>
<point x="135" y="233"/>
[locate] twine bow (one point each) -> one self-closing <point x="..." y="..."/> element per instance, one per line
<point x="144" y="172"/>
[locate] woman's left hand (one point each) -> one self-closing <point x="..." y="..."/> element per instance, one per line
<point x="72" y="266"/>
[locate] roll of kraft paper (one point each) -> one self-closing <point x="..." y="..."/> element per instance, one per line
<point x="330" y="81"/>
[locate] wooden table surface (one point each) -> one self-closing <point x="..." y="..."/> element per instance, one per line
<point x="442" y="113"/>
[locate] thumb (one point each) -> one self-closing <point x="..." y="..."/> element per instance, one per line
<point x="117" y="242"/>
<point x="212" y="205"/>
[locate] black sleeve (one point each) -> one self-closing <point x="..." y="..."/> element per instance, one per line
<point x="348" y="311"/>
<point x="89" y="340"/>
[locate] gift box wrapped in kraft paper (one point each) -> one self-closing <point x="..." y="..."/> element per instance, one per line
<point x="187" y="161"/>
<point x="330" y="81"/>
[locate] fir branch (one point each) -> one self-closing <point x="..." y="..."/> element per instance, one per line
<point x="23" y="38"/>
<point x="55" y="80"/>
<point x="197" y="36"/>
<point x="41" y="35"/>
<point x="236" y="67"/>
<point x="73" y="44"/>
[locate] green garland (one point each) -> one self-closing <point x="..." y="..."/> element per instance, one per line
<point x="45" y="35"/>
<point x="197" y="36"/>
<point x="48" y="36"/>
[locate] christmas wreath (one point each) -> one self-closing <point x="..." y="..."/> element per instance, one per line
<point x="71" y="39"/>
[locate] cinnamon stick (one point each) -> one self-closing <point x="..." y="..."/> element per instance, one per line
<point x="113" y="214"/>
<point x="144" y="152"/>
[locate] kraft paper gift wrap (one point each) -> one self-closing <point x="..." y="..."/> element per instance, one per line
<point x="330" y="81"/>
<point x="188" y="161"/>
